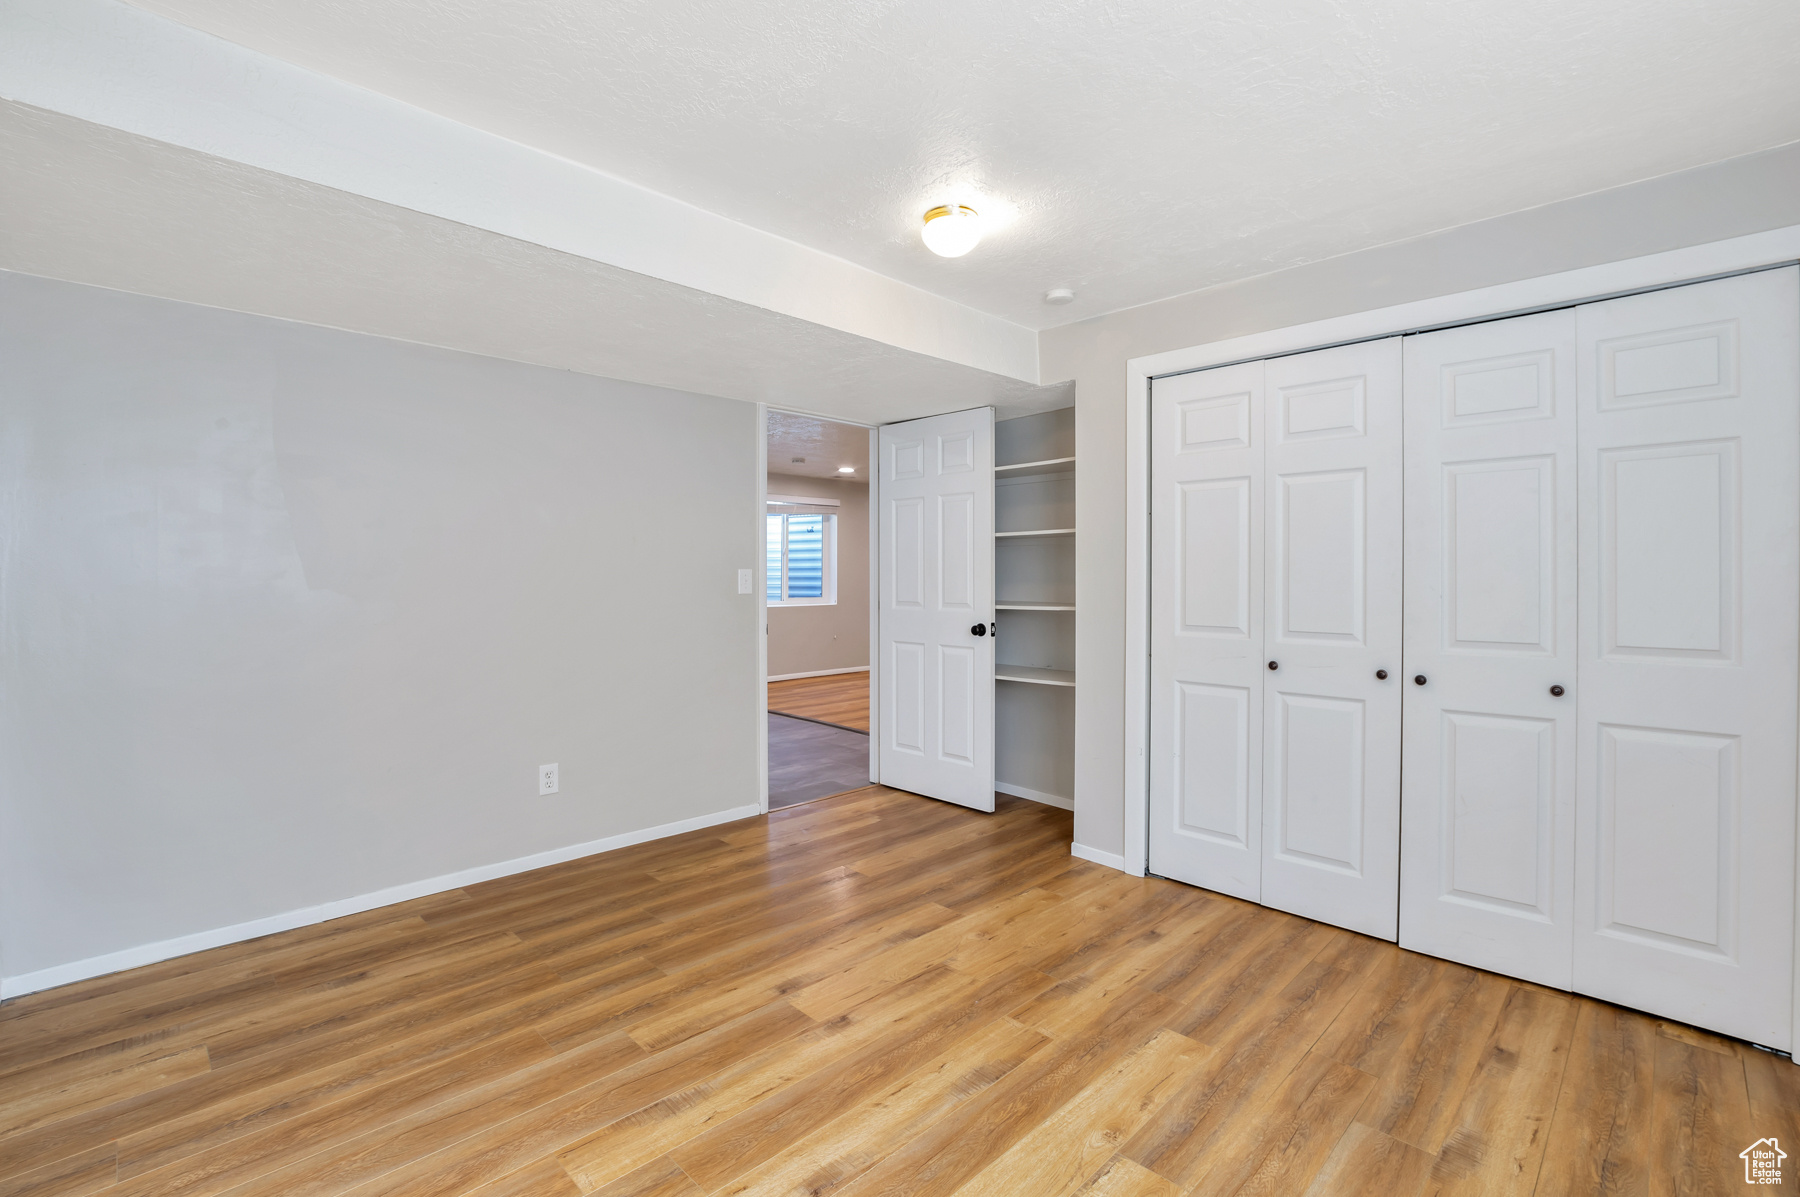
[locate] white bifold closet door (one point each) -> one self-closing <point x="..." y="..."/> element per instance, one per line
<point x="1488" y="874"/>
<point x="1206" y="629"/>
<point x="1603" y="600"/>
<point x="1690" y="625"/>
<point x="1331" y="603"/>
<point x="1276" y="524"/>
<point x="937" y="606"/>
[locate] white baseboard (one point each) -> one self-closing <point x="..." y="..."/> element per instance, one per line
<point x="199" y="941"/>
<point x="788" y="677"/>
<point x="1056" y="800"/>
<point x="1111" y="860"/>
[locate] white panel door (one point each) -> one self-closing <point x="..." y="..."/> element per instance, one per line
<point x="937" y="606"/>
<point x="1331" y="625"/>
<point x="1206" y="629"/>
<point x="1487" y="870"/>
<point x="1690" y="596"/>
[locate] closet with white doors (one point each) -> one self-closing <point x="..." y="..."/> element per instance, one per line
<point x="1276" y="623"/>
<point x="976" y="637"/>
<point x="1487" y="639"/>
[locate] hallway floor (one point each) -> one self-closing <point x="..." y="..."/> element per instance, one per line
<point x="813" y="760"/>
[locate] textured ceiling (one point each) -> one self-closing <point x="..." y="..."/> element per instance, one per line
<point x="825" y="444"/>
<point x="1136" y="150"/>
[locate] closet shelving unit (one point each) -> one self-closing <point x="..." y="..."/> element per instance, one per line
<point x="1033" y="675"/>
<point x="1034" y="592"/>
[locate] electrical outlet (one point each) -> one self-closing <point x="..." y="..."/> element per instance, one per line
<point x="547" y="783"/>
<point x="743" y="581"/>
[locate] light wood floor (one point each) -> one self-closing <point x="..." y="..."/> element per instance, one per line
<point x="874" y="994"/>
<point x="840" y="698"/>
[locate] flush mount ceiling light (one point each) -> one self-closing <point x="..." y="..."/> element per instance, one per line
<point x="951" y="230"/>
<point x="846" y="469"/>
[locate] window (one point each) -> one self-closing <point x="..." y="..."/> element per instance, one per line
<point x="802" y="559"/>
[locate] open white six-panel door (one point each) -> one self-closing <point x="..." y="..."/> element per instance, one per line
<point x="936" y="648"/>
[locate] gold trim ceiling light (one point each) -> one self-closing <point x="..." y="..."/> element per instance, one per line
<point x="951" y="230"/>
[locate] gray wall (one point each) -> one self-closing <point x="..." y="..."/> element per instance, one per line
<point x="810" y="639"/>
<point x="1744" y="195"/>
<point x="290" y="615"/>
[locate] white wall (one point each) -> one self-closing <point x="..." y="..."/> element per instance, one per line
<point x="1744" y="195"/>
<point x="290" y="615"/>
<point x="811" y="639"/>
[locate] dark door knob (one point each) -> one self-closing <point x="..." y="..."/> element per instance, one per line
<point x="1418" y="679"/>
<point x="1274" y="664"/>
<point x="979" y="629"/>
<point x="1556" y="692"/>
<point x="1381" y="675"/>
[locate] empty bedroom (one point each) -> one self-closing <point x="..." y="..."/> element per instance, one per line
<point x="992" y="599"/>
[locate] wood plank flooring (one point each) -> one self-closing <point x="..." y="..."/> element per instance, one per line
<point x="876" y="994"/>
<point x="839" y="698"/>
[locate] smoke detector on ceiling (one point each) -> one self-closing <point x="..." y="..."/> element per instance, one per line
<point x="1059" y="296"/>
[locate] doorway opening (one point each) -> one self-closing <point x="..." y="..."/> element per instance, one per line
<point x="816" y="587"/>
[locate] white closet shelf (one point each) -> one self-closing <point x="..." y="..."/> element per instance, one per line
<point x="1024" y="469"/>
<point x="1034" y="675"/>
<point x="1034" y="606"/>
<point x="1035" y="532"/>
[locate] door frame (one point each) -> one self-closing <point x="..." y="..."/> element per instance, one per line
<point x="1654" y="272"/>
<point x="762" y="595"/>
<point x="759" y="586"/>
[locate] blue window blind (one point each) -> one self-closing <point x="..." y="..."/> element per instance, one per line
<point x="796" y="565"/>
<point x="806" y="556"/>
<point x="776" y="525"/>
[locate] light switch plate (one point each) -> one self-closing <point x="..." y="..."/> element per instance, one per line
<point x="743" y="581"/>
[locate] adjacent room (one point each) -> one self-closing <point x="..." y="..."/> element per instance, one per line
<point x="816" y="588"/>
<point x="986" y="599"/>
